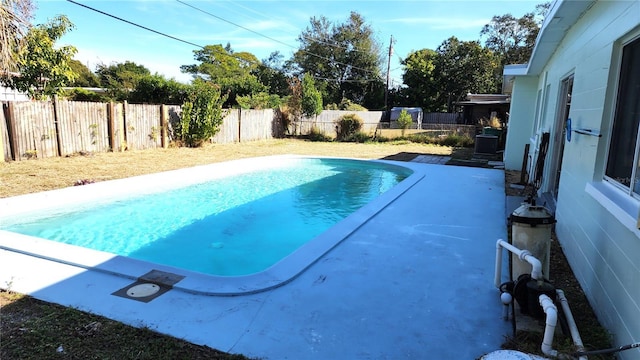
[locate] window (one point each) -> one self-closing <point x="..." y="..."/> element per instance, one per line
<point x="623" y="165"/>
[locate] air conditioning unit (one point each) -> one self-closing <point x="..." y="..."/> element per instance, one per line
<point x="486" y="144"/>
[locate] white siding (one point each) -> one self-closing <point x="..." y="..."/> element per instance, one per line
<point x="7" y="94"/>
<point x="602" y="251"/>
<point x="521" y="118"/>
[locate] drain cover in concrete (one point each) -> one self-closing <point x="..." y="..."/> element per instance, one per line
<point x="143" y="290"/>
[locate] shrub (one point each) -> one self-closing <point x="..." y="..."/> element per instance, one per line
<point x="404" y="121"/>
<point x="311" y="97"/>
<point x="80" y="94"/>
<point x="201" y="115"/>
<point x="347" y="105"/>
<point x="456" y="141"/>
<point x="359" y="137"/>
<point x="347" y="126"/>
<point x="318" y="135"/>
<point x="260" y="100"/>
<point x="382" y="139"/>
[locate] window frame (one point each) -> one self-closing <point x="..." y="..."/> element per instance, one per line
<point x="628" y="190"/>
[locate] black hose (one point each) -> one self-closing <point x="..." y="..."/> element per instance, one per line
<point x="606" y="351"/>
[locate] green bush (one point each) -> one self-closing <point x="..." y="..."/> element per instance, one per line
<point x="80" y="94"/>
<point x="404" y="121"/>
<point x="359" y="137"/>
<point x="347" y="126"/>
<point x="382" y="139"/>
<point x="317" y="135"/>
<point x="456" y="141"/>
<point x="260" y="100"/>
<point x="201" y="115"/>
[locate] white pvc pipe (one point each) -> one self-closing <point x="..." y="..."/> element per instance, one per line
<point x="552" y="319"/>
<point x="525" y="255"/>
<point x="573" y="328"/>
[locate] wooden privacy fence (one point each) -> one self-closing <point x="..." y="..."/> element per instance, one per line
<point x="326" y="122"/>
<point x="41" y="129"/>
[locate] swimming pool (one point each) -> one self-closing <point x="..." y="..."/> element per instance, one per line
<point x="241" y="210"/>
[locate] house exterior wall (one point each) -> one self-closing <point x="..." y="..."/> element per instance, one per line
<point x="521" y="119"/>
<point x="8" y="94"/>
<point x="596" y="226"/>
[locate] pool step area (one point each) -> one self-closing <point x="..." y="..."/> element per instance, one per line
<point x="149" y="286"/>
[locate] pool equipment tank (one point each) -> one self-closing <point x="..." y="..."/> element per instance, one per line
<point x="531" y="227"/>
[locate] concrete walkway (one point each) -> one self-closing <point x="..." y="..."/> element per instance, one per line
<point x="414" y="282"/>
<point x="431" y="159"/>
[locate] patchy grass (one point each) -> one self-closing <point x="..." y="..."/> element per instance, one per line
<point x="21" y="177"/>
<point x="33" y="329"/>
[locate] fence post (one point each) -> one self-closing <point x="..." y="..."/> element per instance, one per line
<point x="111" y="125"/>
<point x="164" y="116"/>
<point x="240" y="125"/>
<point x="2" y="135"/>
<point x="13" y="132"/>
<point x="123" y="126"/>
<point x="57" y="125"/>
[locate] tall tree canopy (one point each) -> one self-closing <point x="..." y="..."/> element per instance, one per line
<point x="513" y="38"/>
<point x="15" y="17"/>
<point x="156" y="89"/>
<point x="464" y="67"/>
<point x="419" y="76"/>
<point x="232" y="71"/>
<point x="84" y="76"/>
<point x="437" y="79"/>
<point x="44" y="69"/>
<point x="272" y="72"/>
<point x="121" y="78"/>
<point x="345" y="59"/>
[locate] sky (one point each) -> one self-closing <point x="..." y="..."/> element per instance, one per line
<point x="259" y="27"/>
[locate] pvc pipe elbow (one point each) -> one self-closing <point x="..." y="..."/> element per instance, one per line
<point x="552" y="318"/>
<point x="549" y="309"/>
<point x="536" y="265"/>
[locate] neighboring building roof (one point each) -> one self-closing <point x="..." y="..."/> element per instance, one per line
<point x="485" y="99"/>
<point x="561" y="17"/>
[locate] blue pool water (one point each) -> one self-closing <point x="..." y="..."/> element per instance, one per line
<point x="232" y="226"/>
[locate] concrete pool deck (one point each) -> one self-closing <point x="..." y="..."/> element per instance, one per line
<point x="415" y="281"/>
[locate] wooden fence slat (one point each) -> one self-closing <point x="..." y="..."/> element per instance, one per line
<point x="61" y="127"/>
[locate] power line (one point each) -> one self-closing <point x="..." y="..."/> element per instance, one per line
<point x="202" y="47"/>
<point x="134" y="24"/>
<point x="272" y="39"/>
<point x="234" y="24"/>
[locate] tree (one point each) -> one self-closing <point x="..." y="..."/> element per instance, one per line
<point x="462" y="67"/>
<point x="15" y="16"/>
<point x="404" y="121"/>
<point x="419" y="76"/>
<point x="84" y="76"/>
<point x="513" y="39"/>
<point x="232" y="71"/>
<point x="311" y="97"/>
<point x="261" y="100"/>
<point x="293" y="111"/>
<point x="121" y="78"/>
<point x="272" y="73"/>
<point x="344" y="58"/>
<point x="156" y="89"/>
<point x="43" y="69"/>
<point x="201" y="115"/>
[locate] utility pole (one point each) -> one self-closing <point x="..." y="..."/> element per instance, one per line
<point x="386" y="90"/>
